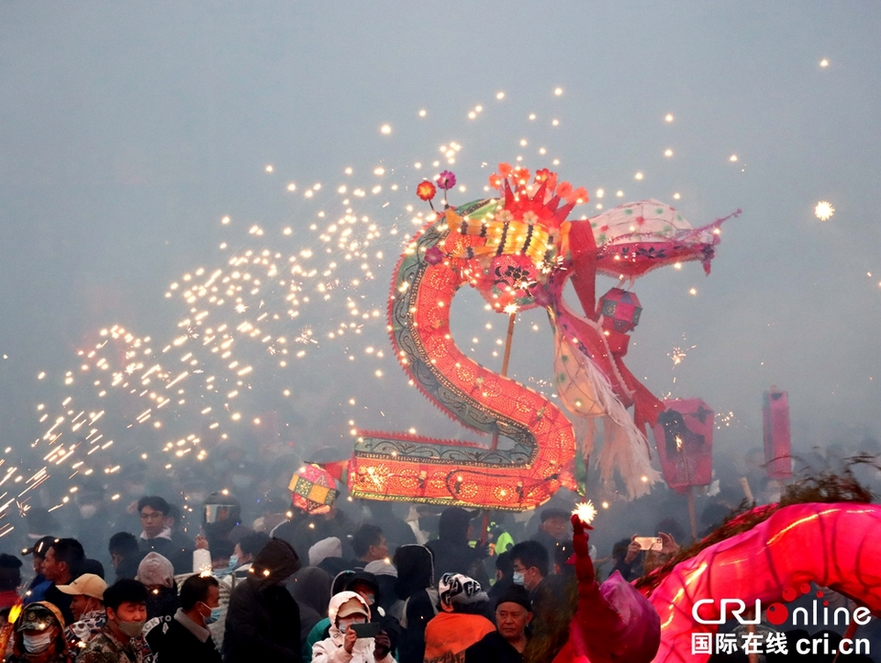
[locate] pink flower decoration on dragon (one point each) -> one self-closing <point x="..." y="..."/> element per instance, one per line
<point x="446" y="180"/>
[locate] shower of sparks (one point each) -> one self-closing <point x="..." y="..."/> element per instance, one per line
<point x="585" y="511"/>
<point x="270" y="303"/>
<point x="726" y="420"/>
<point x="824" y="210"/>
<point x="678" y="354"/>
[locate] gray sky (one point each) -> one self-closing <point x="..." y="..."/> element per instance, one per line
<point x="127" y="131"/>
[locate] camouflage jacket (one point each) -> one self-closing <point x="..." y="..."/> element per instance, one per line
<point x="80" y="633"/>
<point x="105" y="648"/>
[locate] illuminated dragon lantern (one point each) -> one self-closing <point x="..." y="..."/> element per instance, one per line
<point x="519" y="250"/>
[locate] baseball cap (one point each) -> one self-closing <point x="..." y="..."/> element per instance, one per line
<point x="87" y="584"/>
<point x="40" y="547"/>
<point x="352" y="607"/>
<point x="38" y="617"/>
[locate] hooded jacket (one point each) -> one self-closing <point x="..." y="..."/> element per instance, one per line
<point x="346" y="581"/>
<point x="451" y="551"/>
<point x="415" y="567"/>
<point x="330" y="650"/>
<point x="310" y="587"/>
<point x="19" y="653"/>
<point x="415" y="586"/>
<point x="263" y="619"/>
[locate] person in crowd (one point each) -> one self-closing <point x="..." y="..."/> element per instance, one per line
<point x="627" y="555"/>
<point x="157" y="575"/>
<point x="310" y="587"/>
<point x="343" y="644"/>
<point x="509" y="640"/>
<point x="216" y="557"/>
<point x="364" y="584"/>
<point x="120" y="641"/>
<point x="245" y="551"/>
<point x="125" y="555"/>
<point x="451" y="551"/>
<point x="551" y="603"/>
<point x="669" y="547"/>
<point x="221" y="553"/>
<point x="92" y="566"/>
<point x="36" y="590"/>
<point x="92" y="519"/>
<point x="563" y="571"/>
<point x="632" y="561"/>
<point x="233" y="574"/>
<point x="415" y="587"/>
<point x="64" y="559"/>
<point x="10" y="581"/>
<point x="320" y="631"/>
<point x="40" y="525"/>
<point x="386" y="578"/>
<point x="173" y="523"/>
<point x="305" y="528"/>
<point x="396" y="530"/>
<point x="38" y="635"/>
<point x="263" y="619"/>
<point x="504" y="575"/>
<point x="187" y="638"/>
<point x="460" y="623"/>
<point x="87" y="606"/>
<point x="369" y="545"/>
<point x="287" y="529"/>
<point x="554" y="532"/>
<point x="156" y="535"/>
<point x="327" y="555"/>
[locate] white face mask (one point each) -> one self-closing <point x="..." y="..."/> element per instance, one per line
<point x="34" y="644"/>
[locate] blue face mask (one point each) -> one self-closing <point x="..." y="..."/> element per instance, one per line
<point x="518" y="578"/>
<point x="233" y="562"/>
<point x="214" y="616"/>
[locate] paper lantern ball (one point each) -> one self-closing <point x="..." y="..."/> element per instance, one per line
<point x="313" y="489"/>
<point x="620" y="310"/>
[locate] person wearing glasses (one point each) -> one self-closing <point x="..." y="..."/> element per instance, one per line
<point x="156" y="534"/>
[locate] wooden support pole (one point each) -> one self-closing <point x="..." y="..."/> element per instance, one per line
<point x="506" y="360"/>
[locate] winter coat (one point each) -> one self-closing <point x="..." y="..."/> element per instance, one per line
<point x="330" y="650"/>
<point x="263" y="619"/>
<point x="493" y="647"/>
<point x="186" y="642"/>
